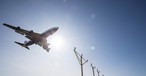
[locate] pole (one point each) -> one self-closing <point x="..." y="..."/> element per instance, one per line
<point x="81" y="60"/>
<point x="81" y="64"/>
<point x="98" y="72"/>
<point x="93" y="69"/>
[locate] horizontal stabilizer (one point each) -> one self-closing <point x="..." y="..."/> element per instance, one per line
<point x="21" y="44"/>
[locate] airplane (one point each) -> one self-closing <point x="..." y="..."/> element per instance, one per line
<point x="34" y="38"/>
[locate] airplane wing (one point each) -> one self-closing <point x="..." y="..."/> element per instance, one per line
<point x="44" y="45"/>
<point x="46" y="48"/>
<point x="19" y="30"/>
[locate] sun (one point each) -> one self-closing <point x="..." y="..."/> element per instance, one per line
<point x="57" y="42"/>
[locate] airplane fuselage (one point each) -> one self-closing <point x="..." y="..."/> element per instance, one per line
<point x="35" y="38"/>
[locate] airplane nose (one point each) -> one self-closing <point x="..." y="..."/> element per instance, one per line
<point x="55" y="29"/>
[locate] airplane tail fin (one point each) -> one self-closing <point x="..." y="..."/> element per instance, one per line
<point x="21" y="44"/>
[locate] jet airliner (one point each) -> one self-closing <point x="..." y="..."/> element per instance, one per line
<point x="34" y="38"/>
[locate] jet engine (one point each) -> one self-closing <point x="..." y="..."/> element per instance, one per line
<point x="31" y="31"/>
<point x="18" y="28"/>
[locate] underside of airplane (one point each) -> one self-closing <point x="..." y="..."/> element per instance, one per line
<point x="35" y="38"/>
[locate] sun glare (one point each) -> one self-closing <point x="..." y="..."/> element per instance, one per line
<point x="57" y="42"/>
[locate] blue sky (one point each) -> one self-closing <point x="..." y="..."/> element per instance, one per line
<point x="110" y="33"/>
